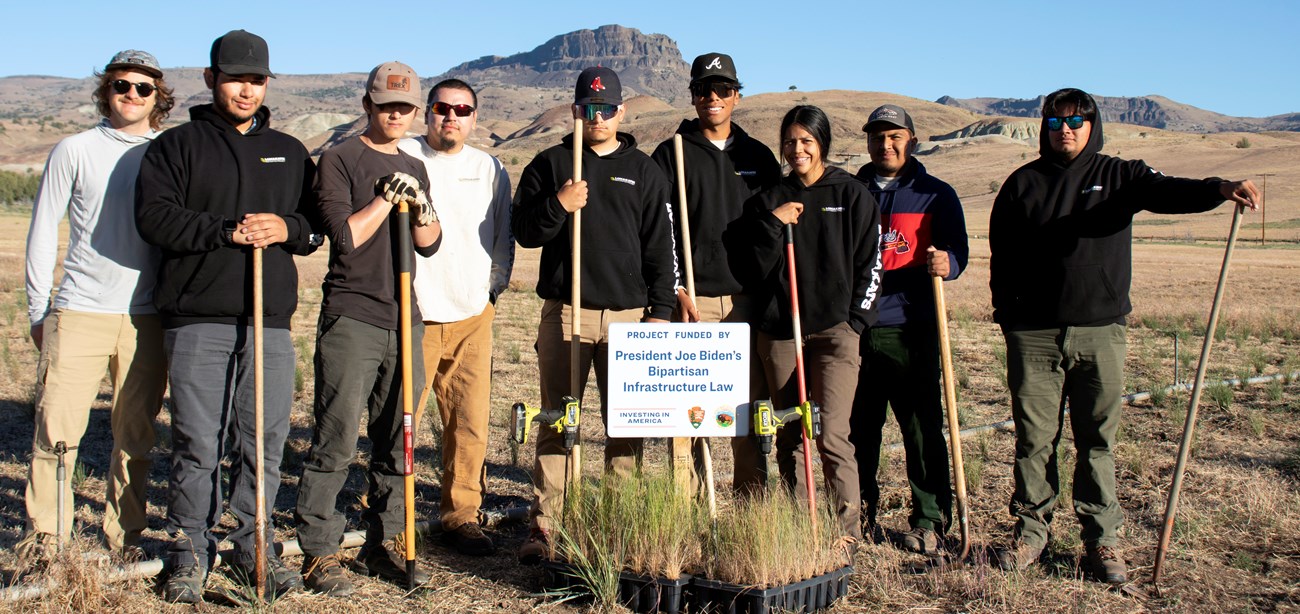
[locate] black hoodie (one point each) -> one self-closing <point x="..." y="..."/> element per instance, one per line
<point x="837" y="254"/>
<point x="1060" y="234"/>
<point x="196" y="176"/>
<point x="628" y="260"/>
<point x="718" y="181"/>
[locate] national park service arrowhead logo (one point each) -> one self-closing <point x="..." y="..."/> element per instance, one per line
<point x="596" y="85"/>
<point x="697" y="416"/>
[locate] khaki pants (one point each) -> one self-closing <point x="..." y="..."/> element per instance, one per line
<point x="458" y="369"/>
<point x="750" y="466"/>
<point x="831" y="362"/>
<point x="78" y="347"/>
<point x="622" y="454"/>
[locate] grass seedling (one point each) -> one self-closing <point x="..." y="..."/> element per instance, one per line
<point x="1221" y="395"/>
<point x="767" y="540"/>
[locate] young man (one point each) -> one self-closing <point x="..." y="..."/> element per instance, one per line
<point x="628" y="268"/>
<point x="1060" y="237"/>
<point x="924" y="235"/>
<point x="457" y="289"/>
<point x="358" y="356"/>
<point x="210" y="192"/>
<point x="103" y="315"/>
<point x="724" y="167"/>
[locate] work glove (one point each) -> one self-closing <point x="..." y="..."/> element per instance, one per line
<point x="425" y="214"/>
<point x="398" y="187"/>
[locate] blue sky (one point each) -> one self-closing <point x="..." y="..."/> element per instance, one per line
<point x="1235" y="57"/>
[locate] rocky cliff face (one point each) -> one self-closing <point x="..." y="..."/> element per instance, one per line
<point x="648" y="64"/>
<point x="1151" y="111"/>
<point x="1020" y="130"/>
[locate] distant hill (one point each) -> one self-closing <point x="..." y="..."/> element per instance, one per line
<point x="1150" y="111"/>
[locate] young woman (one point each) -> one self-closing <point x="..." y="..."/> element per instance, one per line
<point x="836" y="229"/>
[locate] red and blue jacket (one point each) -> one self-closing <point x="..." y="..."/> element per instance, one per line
<point x="915" y="213"/>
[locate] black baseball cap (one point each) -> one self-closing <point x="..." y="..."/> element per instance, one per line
<point x="717" y="66"/>
<point x="598" y="85"/>
<point x="239" y="52"/>
<point x="889" y="115"/>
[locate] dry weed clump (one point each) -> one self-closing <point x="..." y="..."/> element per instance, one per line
<point x="767" y="540"/>
<point x="76" y="579"/>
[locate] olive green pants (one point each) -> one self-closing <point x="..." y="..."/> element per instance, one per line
<point x="1048" y="369"/>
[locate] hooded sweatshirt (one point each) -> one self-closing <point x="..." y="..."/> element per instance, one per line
<point x="718" y="181"/>
<point x="837" y="254"/>
<point x="916" y="212"/>
<point x="628" y="259"/>
<point x="1060" y="234"/>
<point x="90" y="178"/>
<point x="196" y="176"/>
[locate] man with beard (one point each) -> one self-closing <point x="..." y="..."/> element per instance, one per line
<point x="725" y="166"/>
<point x="628" y="269"/>
<point x="457" y="289"/>
<point x="1061" y="255"/>
<point x="210" y="191"/>
<point x="358" y="355"/>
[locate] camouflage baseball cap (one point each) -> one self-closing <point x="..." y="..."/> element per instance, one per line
<point x="134" y="58"/>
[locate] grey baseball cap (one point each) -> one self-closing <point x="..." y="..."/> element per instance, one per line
<point x="889" y="115"/>
<point x="134" y="58"/>
<point x="239" y="52"/>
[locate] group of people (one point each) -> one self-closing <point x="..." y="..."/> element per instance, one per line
<point x="158" y="274"/>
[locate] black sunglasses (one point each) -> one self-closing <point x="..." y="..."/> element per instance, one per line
<point x="122" y="86"/>
<point x="723" y="90"/>
<point x="1074" y="122"/>
<point x="461" y="110"/>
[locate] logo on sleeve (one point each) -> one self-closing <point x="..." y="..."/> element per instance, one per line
<point x="279" y="159"/>
<point x="1095" y="188"/>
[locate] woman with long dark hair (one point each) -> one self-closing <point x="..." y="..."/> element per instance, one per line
<point x="836" y="227"/>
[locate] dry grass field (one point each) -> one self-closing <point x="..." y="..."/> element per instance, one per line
<point x="1236" y="543"/>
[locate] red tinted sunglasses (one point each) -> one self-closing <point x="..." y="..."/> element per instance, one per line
<point x="461" y="110"/>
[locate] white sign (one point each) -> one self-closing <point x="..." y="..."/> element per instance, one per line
<point x="678" y="380"/>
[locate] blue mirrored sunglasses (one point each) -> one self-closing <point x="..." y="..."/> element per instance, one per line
<point x="1074" y="122"/>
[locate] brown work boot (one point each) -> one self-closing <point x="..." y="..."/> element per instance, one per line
<point x="324" y="574"/>
<point x="920" y="540"/>
<point x="1019" y="556"/>
<point x="537" y="547"/>
<point x="468" y="539"/>
<point x="35" y="550"/>
<point x="1106" y="564"/>
<point x="384" y="562"/>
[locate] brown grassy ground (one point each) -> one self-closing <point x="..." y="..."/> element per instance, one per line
<point x="1237" y="542"/>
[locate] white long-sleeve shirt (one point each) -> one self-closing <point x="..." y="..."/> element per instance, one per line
<point x="90" y="177"/>
<point x="471" y="193"/>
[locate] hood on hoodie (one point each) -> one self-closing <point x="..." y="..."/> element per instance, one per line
<point x="1093" y="146"/>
